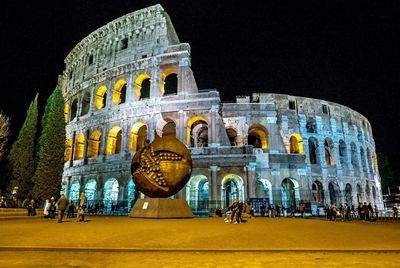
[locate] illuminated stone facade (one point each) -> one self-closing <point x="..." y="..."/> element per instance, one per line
<point x="131" y="80"/>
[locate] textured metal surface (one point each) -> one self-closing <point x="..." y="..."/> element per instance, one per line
<point x="162" y="168"/>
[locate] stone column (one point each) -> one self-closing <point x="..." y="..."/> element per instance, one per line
<point x="86" y="149"/>
<point x="250" y="181"/>
<point x="212" y="127"/>
<point x="155" y="79"/>
<point x="130" y="89"/>
<point x="104" y="141"/>
<point x="181" y="128"/>
<point x="71" y="160"/>
<point x="213" y="185"/>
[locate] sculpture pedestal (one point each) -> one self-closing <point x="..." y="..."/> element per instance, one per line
<point x="161" y="208"/>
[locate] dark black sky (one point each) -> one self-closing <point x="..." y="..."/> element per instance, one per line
<point x="338" y="51"/>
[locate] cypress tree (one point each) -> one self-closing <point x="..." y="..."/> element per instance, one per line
<point x="21" y="159"/>
<point x="50" y="148"/>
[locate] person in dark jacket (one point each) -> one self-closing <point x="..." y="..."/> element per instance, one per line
<point x="61" y="205"/>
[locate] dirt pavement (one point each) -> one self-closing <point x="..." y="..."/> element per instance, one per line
<point x="205" y="242"/>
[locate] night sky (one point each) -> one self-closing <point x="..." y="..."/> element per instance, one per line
<point x="345" y="52"/>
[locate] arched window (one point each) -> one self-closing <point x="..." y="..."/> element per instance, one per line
<point x="119" y="94"/>
<point x="85" y="103"/>
<point x="169" y="82"/>
<point x="111" y="190"/>
<point x="359" y="194"/>
<point x="334" y="193"/>
<point x="296" y="144"/>
<point x="79" y="146"/>
<point x="329" y="153"/>
<point x="354" y="155"/>
<point x="94" y="144"/>
<point x="138" y="136"/>
<point x="197" y="132"/>
<point x="342" y="152"/>
<point x="288" y="193"/>
<point x="90" y="191"/>
<point x="318" y="193"/>
<point x="311" y="125"/>
<point x="233" y="137"/>
<point x="142" y="86"/>
<point x="68" y="148"/>
<point x="66" y="112"/>
<point x="347" y="194"/>
<point x="114" y="140"/>
<point x="313" y="151"/>
<point x="101" y="97"/>
<point x="258" y="136"/>
<point x="367" y="192"/>
<point x="74" y="109"/>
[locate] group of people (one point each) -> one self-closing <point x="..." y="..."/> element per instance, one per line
<point x="51" y="208"/>
<point x="238" y="212"/>
<point x="364" y="212"/>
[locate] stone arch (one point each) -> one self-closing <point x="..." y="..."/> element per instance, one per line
<point x="142" y="86"/>
<point x="138" y="136"/>
<point x="68" y="149"/>
<point x="119" y="93"/>
<point x="342" y="152"/>
<point x="110" y="193"/>
<point x="234" y="138"/>
<point x="114" y="140"/>
<point x="290" y="193"/>
<point x="334" y="192"/>
<point x="85" y="103"/>
<point x="231" y="187"/>
<point x="79" y="146"/>
<point x="91" y="190"/>
<point x="264" y="189"/>
<point x="74" y="109"/>
<point x="367" y="193"/>
<point x="313" y="150"/>
<point x="74" y="189"/>
<point x="317" y="192"/>
<point x="94" y="144"/>
<point x="66" y="112"/>
<point x="197" y="193"/>
<point x="348" y="198"/>
<point x="329" y="152"/>
<point x="258" y="136"/>
<point x="197" y="131"/>
<point x="101" y="97"/>
<point x="354" y="155"/>
<point x="169" y="82"/>
<point x="296" y="144"/>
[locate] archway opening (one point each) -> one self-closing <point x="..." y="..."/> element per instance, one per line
<point x="94" y="144"/>
<point x="114" y="141"/>
<point x="197" y="193"/>
<point x="79" y="146"/>
<point x="288" y="193"/>
<point x="359" y="194"/>
<point x="68" y="150"/>
<point x="258" y="136"/>
<point x="66" y="112"/>
<point x="329" y="153"/>
<point x="342" y="152"/>
<point x="101" y="97"/>
<point x="85" y="103"/>
<point x="334" y="193"/>
<point x="233" y="137"/>
<point x="138" y="136"/>
<point x="312" y="150"/>
<point x="347" y="194"/>
<point x="119" y="94"/>
<point x="169" y="82"/>
<point x="169" y="128"/>
<point x="142" y="86"/>
<point x="318" y="193"/>
<point x="131" y="194"/>
<point x="232" y="188"/>
<point x="296" y="144"/>
<point x="111" y="190"/>
<point x="91" y="191"/>
<point x="197" y="132"/>
<point x="74" y="109"/>
<point x="74" y="191"/>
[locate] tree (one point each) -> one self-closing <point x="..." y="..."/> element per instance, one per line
<point x="4" y="133"/>
<point x="21" y="160"/>
<point x="387" y="175"/>
<point x="50" y="148"/>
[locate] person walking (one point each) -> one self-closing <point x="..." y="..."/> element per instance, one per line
<point x="81" y="207"/>
<point x="61" y="205"/>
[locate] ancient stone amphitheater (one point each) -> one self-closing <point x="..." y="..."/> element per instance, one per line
<point x="131" y="80"/>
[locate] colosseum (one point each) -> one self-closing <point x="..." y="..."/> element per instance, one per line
<point x="131" y="80"/>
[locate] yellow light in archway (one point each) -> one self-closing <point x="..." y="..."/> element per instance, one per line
<point x="68" y="148"/>
<point x="164" y="75"/>
<point x="189" y="126"/>
<point x="138" y="83"/>
<point x="138" y="136"/>
<point x="101" y="91"/>
<point x="117" y="91"/>
<point x="66" y="112"/>
<point x="296" y="144"/>
<point x="114" y="140"/>
<point x="94" y="143"/>
<point x="79" y="146"/>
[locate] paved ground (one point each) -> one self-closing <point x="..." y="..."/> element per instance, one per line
<point x="199" y="242"/>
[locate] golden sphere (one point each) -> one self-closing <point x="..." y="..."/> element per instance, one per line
<point x="161" y="168"/>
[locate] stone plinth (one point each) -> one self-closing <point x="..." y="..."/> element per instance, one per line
<point x="161" y="208"/>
